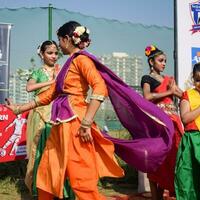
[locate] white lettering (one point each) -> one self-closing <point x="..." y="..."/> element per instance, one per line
<point x="3" y="117"/>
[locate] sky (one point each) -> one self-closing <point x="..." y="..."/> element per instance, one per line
<point x="147" y="12"/>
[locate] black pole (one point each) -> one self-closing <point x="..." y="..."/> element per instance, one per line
<point x="175" y="43"/>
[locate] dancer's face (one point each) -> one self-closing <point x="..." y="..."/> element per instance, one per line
<point x="50" y="55"/>
<point x="64" y="44"/>
<point x="159" y="63"/>
<point x="197" y="81"/>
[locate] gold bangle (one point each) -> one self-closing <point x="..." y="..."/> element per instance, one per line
<point x="85" y="123"/>
<point x="17" y="110"/>
<point x="85" y="126"/>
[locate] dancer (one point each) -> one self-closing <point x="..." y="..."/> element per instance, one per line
<point x="161" y="89"/>
<point x="187" y="171"/>
<point x="76" y="148"/>
<point x="38" y="126"/>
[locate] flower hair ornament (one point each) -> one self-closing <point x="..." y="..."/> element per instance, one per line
<point x="39" y="49"/>
<point x="149" y="49"/>
<point x="78" y="32"/>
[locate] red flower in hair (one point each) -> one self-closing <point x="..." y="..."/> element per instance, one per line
<point x="75" y="34"/>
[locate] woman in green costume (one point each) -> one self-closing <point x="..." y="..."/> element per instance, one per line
<point x="187" y="173"/>
<point x="38" y="125"/>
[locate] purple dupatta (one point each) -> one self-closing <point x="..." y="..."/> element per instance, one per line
<point x="151" y="129"/>
<point x="61" y="111"/>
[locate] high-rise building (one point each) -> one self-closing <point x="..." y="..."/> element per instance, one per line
<point x="128" y="68"/>
<point x="17" y="86"/>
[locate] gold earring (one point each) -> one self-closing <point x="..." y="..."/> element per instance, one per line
<point x="67" y="45"/>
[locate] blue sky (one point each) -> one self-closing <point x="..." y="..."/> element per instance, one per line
<point x="148" y="12"/>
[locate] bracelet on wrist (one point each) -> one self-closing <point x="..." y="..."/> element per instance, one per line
<point x="86" y="123"/>
<point x="17" y="110"/>
<point x="85" y="126"/>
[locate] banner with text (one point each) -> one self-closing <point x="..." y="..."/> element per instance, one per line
<point x="187" y="29"/>
<point x="12" y="135"/>
<point x="4" y="60"/>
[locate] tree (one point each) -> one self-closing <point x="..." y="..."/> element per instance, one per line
<point x="32" y="60"/>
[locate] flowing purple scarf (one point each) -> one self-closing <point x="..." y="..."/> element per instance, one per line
<point x="150" y="141"/>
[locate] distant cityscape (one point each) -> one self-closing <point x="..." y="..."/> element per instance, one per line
<point x="128" y="67"/>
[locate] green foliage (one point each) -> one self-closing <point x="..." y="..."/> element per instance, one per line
<point x="32" y="60"/>
<point x="12" y="186"/>
<point x="12" y="178"/>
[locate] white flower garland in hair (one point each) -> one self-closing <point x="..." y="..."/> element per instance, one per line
<point x="79" y="30"/>
<point x="39" y="49"/>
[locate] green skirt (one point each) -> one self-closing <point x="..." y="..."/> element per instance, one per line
<point x="187" y="172"/>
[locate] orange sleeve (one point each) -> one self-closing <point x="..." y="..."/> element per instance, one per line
<point x="88" y="70"/>
<point x="47" y="96"/>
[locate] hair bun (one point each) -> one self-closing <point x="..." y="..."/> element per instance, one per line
<point x="80" y="37"/>
<point x="149" y="49"/>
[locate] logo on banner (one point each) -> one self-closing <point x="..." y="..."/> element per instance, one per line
<point x="195" y="14"/>
<point x="195" y="58"/>
<point x="195" y="55"/>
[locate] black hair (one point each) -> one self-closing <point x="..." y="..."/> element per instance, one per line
<point x="196" y="68"/>
<point x="42" y="48"/>
<point x="69" y="28"/>
<point x="152" y="52"/>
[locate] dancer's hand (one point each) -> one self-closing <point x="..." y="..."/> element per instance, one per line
<point x="51" y="81"/>
<point x="172" y="86"/>
<point x="11" y="106"/>
<point x="85" y="134"/>
<point x="174" y="89"/>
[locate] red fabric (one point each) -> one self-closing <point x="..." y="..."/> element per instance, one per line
<point x="163" y="87"/>
<point x="164" y="176"/>
<point x="190" y="126"/>
<point x="42" y="195"/>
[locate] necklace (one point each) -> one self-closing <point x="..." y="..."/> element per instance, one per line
<point x="158" y="77"/>
<point x="49" y="72"/>
<point x="49" y="69"/>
